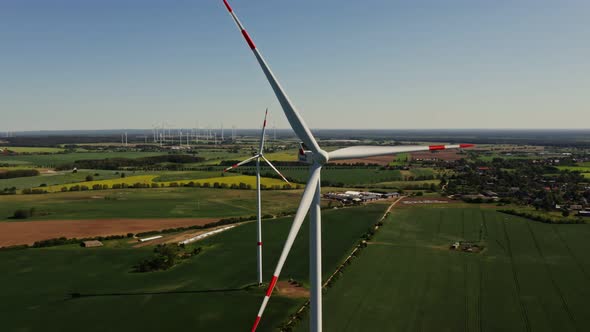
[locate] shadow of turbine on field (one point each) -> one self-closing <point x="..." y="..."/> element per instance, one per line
<point x="203" y="291"/>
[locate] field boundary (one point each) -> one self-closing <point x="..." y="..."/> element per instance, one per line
<point x="295" y="318"/>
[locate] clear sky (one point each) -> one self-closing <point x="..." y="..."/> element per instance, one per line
<point x="102" y="64"/>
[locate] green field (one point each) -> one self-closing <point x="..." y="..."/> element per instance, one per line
<point x="35" y="149"/>
<point x="405" y="184"/>
<point x="530" y="277"/>
<point x="345" y="176"/>
<point x="56" y="178"/>
<point x="204" y="294"/>
<point x="190" y="175"/>
<point x="55" y="159"/>
<point x="584" y="169"/>
<point x="149" y="203"/>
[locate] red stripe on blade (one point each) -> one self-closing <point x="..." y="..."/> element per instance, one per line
<point x="248" y="39"/>
<point x="227" y="5"/>
<point x="259" y="243"/>
<point x="264" y="124"/>
<point x="256" y="323"/>
<point x="466" y="145"/>
<point x="271" y="286"/>
<point x="436" y="147"/>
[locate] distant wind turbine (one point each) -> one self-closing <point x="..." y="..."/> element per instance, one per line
<point x="259" y="155"/>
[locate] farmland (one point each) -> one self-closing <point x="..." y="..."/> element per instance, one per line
<point x="56" y="159"/>
<point x="148" y="203"/>
<point x="196" y="293"/>
<point x="345" y="176"/>
<point x="27" y="149"/>
<point x="56" y="178"/>
<point x="530" y="277"/>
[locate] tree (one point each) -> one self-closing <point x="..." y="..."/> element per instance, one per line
<point x="89" y="178"/>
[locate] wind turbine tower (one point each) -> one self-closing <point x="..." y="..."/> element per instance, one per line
<point x="312" y="154"/>
<point x="257" y="157"/>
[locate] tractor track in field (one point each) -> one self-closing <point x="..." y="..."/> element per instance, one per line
<point x="564" y="304"/>
<point x="463" y="224"/>
<point x="292" y="321"/>
<point x="523" y="310"/>
<point x="466" y="307"/>
<point x="571" y="253"/>
<point x="479" y="298"/>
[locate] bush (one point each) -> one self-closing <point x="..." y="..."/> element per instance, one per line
<point x="23" y="213"/>
<point x="89" y="178"/>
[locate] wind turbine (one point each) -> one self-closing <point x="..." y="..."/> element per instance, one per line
<point x="258" y="156"/>
<point x="311" y="153"/>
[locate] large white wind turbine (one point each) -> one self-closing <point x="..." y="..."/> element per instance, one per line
<point x="257" y="157"/>
<point x="310" y="201"/>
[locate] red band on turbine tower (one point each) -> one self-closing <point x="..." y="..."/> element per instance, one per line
<point x="259" y="243"/>
<point x="248" y="39"/>
<point x="227" y="5"/>
<point x="436" y="147"/>
<point x="256" y="323"/>
<point x="271" y="286"/>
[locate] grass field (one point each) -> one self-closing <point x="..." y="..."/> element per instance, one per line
<point x="190" y="175"/>
<point x="149" y="203"/>
<point x="530" y="277"/>
<point x="346" y="176"/>
<point x="27" y="149"/>
<point x="53" y="160"/>
<point x="57" y="178"/>
<point x="583" y="168"/>
<point x="204" y="294"/>
<point x="404" y="184"/>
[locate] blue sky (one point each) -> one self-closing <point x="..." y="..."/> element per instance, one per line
<point x="81" y="64"/>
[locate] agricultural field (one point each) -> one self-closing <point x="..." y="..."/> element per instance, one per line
<point x="56" y="159"/>
<point x="344" y="176"/>
<point x="150" y="179"/>
<point x="583" y="169"/>
<point x="210" y="292"/>
<point x="26" y="149"/>
<point x="148" y="203"/>
<point x="56" y="178"/>
<point x="529" y="277"/>
<point x="404" y="185"/>
<point x="190" y="175"/>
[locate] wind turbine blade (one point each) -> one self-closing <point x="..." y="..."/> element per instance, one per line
<point x="274" y="168"/>
<point x="295" y="120"/>
<point x="262" y="135"/>
<point x="241" y="163"/>
<point x="373" y="151"/>
<point x="306" y="201"/>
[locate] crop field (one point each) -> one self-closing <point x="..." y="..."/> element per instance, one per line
<point x="149" y="179"/>
<point x="56" y="178"/>
<point x="206" y="293"/>
<point x="55" y="159"/>
<point x="31" y="149"/>
<point x="190" y="175"/>
<point x="530" y="277"/>
<point x="289" y="155"/>
<point x="405" y="184"/>
<point x="149" y="203"/>
<point x="346" y="176"/>
<point x="583" y="169"/>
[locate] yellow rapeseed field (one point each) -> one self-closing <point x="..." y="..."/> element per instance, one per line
<point x="148" y="180"/>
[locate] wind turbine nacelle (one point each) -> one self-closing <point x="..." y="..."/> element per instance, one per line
<point x="305" y="155"/>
